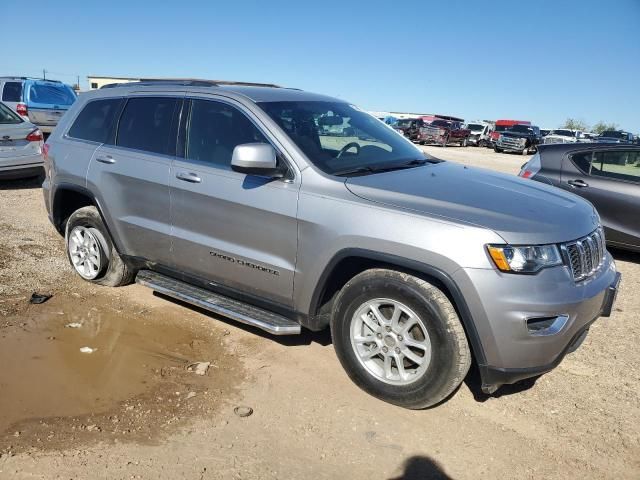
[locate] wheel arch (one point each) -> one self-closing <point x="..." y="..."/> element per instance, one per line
<point x="347" y="263"/>
<point x="67" y="199"/>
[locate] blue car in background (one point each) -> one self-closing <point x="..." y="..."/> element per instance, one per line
<point x="41" y="102"/>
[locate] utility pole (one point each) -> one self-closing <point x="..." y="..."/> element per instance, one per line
<point x="44" y="74"/>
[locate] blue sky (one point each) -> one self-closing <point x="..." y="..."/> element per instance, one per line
<point x="540" y="61"/>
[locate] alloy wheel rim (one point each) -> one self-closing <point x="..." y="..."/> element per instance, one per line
<point x="390" y="341"/>
<point x="85" y="253"/>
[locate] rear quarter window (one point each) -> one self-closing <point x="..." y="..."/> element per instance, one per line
<point x="12" y="92"/>
<point x="95" y="120"/>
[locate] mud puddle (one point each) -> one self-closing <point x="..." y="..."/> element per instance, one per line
<point x="76" y="368"/>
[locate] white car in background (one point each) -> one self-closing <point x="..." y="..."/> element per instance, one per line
<point x="564" y="135"/>
<point x="21" y="145"/>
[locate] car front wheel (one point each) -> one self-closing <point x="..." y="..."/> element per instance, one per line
<point x="91" y="251"/>
<point x="399" y="338"/>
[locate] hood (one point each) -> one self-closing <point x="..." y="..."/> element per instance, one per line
<point x="520" y="211"/>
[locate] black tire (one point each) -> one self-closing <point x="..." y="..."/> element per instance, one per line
<point x="481" y="143"/>
<point x="450" y="355"/>
<point x="113" y="272"/>
<point x="497" y="150"/>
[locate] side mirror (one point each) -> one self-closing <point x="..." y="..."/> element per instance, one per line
<point x="255" y="159"/>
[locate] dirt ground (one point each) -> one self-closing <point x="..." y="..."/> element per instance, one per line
<point x="133" y="409"/>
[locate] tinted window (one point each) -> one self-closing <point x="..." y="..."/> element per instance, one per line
<point x="620" y="165"/>
<point x="51" y="94"/>
<point x="582" y="161"/>
<point x="145" y="124"/>
<point x="95" y="120"/>
<point x="12" y="92"/>
<point x="214" y="129"/>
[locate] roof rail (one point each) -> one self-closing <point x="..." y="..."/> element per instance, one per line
<point x="187" y="82"/>
<point x="17" y="77"/>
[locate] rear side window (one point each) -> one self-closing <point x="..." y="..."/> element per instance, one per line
<point x="619" y="165"/>
<point x="95" y="120"/>
<point x="51" y="94"/>
<point x="214" y="129"/>
<point x="12" y="92"/>
<point x="145" y="124"/>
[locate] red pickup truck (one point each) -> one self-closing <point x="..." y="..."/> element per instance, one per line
<point x="444" y="131"/>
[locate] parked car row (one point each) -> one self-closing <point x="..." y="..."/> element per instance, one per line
<point x="505" y="135"/>
<point x="29" y="109"/>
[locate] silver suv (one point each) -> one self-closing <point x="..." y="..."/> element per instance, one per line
<point x="285" y="209"/>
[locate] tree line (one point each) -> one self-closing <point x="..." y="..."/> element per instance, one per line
<point x="575" y="124"/>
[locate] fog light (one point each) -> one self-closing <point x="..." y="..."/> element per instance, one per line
<point x="544" y="326"/>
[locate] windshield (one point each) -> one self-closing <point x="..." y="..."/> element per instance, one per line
<point x="564" y="133"/>
<point x="441" y="123"/>
<point x="403" y="123"/>
<point x="521" y="129"/>
<point x="7" y="116"/>
<point x="474" y="127"/>
<point x="51" y="94"/>
<point x="613" y="134"/>
<point x="338" y="137"/>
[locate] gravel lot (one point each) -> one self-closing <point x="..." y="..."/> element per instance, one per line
<point x="131" y="409"/>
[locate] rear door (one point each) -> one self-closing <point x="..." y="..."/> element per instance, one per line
<point x="231" y="229"/>
<point x="610" y="179"/>
<point x="131" y="175"/>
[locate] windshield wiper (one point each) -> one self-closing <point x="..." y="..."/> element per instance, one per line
<point x="418" y="162"/>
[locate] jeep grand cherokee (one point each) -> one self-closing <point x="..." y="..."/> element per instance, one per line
<point x="239" y="200"/>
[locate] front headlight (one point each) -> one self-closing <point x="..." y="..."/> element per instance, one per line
<point x="524" y="259"/>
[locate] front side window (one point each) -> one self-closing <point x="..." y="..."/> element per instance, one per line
<point x="214" y="129"/>
<point x="95" y="120"/>
<point x="338" y="137"/>
<point x="7" y="116"/>
<point x="51" y="94"/>
<point x="145" y="124"/>
<point x="619" y="165"/>
<point x="12" y="92"/>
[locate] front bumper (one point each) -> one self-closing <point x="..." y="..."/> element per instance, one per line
<point x="501" y="304"/>
<point x="511" y="146"/>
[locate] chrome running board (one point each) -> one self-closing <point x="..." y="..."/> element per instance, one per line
<point x="218" y="304"/>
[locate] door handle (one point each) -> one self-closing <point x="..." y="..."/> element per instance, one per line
<point x="578" y="183"/>
<point x="106" y="159"/>
<point x="188" y="177"/>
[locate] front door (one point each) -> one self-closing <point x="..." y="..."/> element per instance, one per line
<point x="231" y="229"/>
<point x="610" y="179"/>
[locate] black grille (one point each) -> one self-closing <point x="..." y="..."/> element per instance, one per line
<point x="586" y="255"/>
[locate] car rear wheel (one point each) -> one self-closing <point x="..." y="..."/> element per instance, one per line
<point x="399" y="338"/>
<point x="91" y="251"/>
<point x="497" y="150"/>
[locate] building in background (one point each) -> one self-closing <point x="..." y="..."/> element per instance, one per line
<point x="96" y="82"/>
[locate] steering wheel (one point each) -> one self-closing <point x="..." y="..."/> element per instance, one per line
<point x="347" y="147"/>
